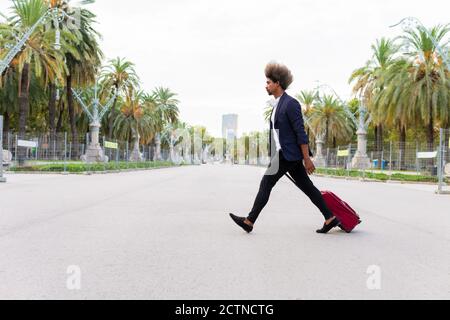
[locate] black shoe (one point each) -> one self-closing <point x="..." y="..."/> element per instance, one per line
<point x="240" y="222"/>
<point x="335" y="223"/>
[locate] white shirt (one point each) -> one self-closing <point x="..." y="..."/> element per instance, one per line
<point x="274" y="104"/>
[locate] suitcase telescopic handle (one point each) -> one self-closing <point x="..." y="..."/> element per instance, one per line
<point x="345" y="204"/>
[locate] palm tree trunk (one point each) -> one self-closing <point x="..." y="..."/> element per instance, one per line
<point x="112" y="116"/>
<point x="158" y="147"/>
<point x="376" y="138"/>
<point x="24" y="107"/>
<point x="5" y="129"/>
<point x="58" y="127"/>
<point x="135" y="154"/>
<point x="258" y="160"/>
<point x="6" y="121"/>
<point x="430" y="136"/>
<point x="379" y="149"/>
<point x="172" y="153"/>
<point x="430" y="131"/>
<point x="52" y="113"/>
<point x="402" y="147"/>
<point x="152" y="150"/>
<point x="380" y="137"/>
<point x="52" y="108"/>
<point x="73" y="126"/>
<point x="60" y="117"/>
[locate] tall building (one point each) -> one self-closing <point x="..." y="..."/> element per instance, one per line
<point x="229" y="126"/>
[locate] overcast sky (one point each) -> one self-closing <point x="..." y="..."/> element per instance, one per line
<point x="213" y="53"/>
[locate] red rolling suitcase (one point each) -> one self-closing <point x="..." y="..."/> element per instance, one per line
<point x="348" y="217"/>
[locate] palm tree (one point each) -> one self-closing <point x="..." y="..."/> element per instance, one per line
<point x="367" y="84"/>
<point x="135" y="121"/>
<point x="267" y="112"/>
<point x="174" y="134"/>
<point x="393" y="103"/>
<point x="120" y="76"/>
<point x="254" y="139"/>
<point x="8" y="97"/>
<point x="353" y="105"/>
<point x="328" y="116"/>
<point x="417" y="87"/>
<point x="167" y="105"/>
<point x="166" y="111"/>
<point x="201" y="140"/>
<point x="428" y="76"/>
<point x="168" y="136"/>
<point x="83" y="59"/>
<point x="38" y="57"/>
<point x="307" y="100"/>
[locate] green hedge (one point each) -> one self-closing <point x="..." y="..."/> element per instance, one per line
<point x="377" y="176"/>
<point x="93" y="167"/>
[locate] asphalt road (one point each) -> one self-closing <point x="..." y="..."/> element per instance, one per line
<point x="166" y="234"/>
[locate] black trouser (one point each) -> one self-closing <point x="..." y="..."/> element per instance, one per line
<point x="298" y="172"/>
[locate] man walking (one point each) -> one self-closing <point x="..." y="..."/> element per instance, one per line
<point x="289" y="151"/>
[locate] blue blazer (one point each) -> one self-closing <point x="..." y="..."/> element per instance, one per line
<point x="291" y="129"/>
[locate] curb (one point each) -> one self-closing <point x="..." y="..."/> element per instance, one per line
<point x="89" y="173"/>
<point x="367" y="179"/>
<point x="375" y="180"/>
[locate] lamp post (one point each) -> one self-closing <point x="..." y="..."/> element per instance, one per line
<point x="94" y="153"/>
<point x="319" y="159"/>
<point x="2" y="179"/>
<point x="136" y="155"/>
<point x="361" y="160"/>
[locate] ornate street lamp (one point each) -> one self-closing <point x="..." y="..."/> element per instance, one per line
<point x="95" y="112"/>
<point x="56" y="15"/>
<point x="361" y="159"/>
<point x="411" y="23"/>
<point x="2" y="179"/>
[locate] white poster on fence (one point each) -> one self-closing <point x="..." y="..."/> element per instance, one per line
<point x="27" y="144"/>
<point x="427" y="155"/>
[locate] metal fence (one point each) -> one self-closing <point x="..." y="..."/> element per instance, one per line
<point x="60" y="149"/>
<point x="444" y="161"/>
<point x="2" y="179"/>
<point x="395" y="158"/>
